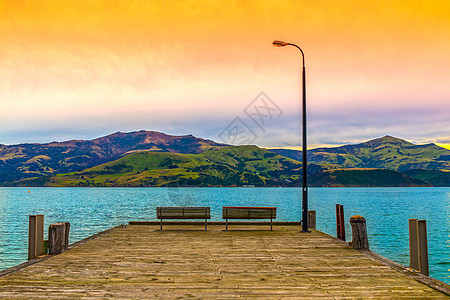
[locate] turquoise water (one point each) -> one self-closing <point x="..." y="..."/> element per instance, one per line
<point x="90" y="210"/>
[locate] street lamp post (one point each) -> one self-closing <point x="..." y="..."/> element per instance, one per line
<point x="304" y="160"/>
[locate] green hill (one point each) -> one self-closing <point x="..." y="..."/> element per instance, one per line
<point x="383" y="153"/>
<point x="243" y="165"/>
<point x="154" y="159"/>
<point x="227" y="166"/>
<point x="31" y="160"/>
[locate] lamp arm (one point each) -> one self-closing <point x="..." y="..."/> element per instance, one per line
<point x="303" y="55"/>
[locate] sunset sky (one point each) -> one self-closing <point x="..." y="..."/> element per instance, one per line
<point x="84" y="69"/>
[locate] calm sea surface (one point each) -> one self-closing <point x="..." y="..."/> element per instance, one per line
<point x="90" y="210"/>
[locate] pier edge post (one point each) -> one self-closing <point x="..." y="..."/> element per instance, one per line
<point x="418" y="246"/>
<point x="413" y="244"/>
<point x="340" y="223"/>
<point x="312" y="219"/>
<point x="39" y="235"/>
<point x="58" y="238"/>
<point x="31" y="237"/>
<point x="423" y="248"/>
<point x="360" y="240"/>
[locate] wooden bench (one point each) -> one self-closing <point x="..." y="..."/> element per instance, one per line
<point x="183" y="213"/>
<point x="233" y="212"/>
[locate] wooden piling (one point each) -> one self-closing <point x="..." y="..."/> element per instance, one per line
<point x="32" y="237"/>
<point x="418" y="246"/>
<point x="340" y="223"/>
<point x="39" y="235"/>
<point x="423" y="247"/>
<point x="360" y="240"/>
<point x="414" y="244"/>
<point x="58" y="238"/>
<point x="312" y="219"/>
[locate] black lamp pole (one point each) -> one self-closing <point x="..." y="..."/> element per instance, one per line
<point x="304" y="157"/>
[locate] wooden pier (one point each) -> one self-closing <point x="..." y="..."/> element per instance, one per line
<point x="185" y="261"/>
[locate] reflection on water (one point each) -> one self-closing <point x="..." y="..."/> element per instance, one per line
<point x="90" y="210"/>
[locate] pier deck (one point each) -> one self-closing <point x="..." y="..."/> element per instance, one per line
<point x="141" y="262"/>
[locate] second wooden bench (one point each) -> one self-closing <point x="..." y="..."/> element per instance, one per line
<point x="183" y="213"/>
<point x="237" y="212"/>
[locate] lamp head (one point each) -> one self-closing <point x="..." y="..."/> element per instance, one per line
<point x="279" y="43"/>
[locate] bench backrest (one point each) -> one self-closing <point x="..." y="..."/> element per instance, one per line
<point x="183" y="213"/>
<point x="230" y="212"/>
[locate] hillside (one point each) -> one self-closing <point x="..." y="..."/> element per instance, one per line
<point x="148" y="158"/>
<point x="384" y="153"/>
<point x="31" y="160"/>
<point x="243" y="165"/>
<point x="227" y="166"/>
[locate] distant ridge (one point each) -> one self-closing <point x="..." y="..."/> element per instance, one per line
<point x="149" y="158"/>
<point x="227" y="166"/>
<point x="386" y="153"/>
<point x="31" y="160"/>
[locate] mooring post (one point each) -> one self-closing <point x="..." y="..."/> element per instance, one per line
<point x="58" y="238"/>
<point x="340" y="225"/>
<point x="32" y="237"/>
<point x="423" y="248"/>
<point x="39" y="235"/>
<point x="418" y="246"/>
<point x="312" y="219"/>
<point x="338" y="222"/>
<point x="360" y="240"/>
<point x="414" y="244"/>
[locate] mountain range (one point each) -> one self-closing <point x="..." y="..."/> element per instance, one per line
<point x="386" y="153"/>
<point x="31" y="160"/>
<point x="148" y="158"/>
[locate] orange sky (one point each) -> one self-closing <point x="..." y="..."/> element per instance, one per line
<point x="81" y="69"/>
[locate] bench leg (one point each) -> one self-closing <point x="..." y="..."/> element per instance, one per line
<point x="160" y="225"/>
<point x="206" y="222"/>
<point x="270" y="224"/>
<point x="226" y="224"/>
